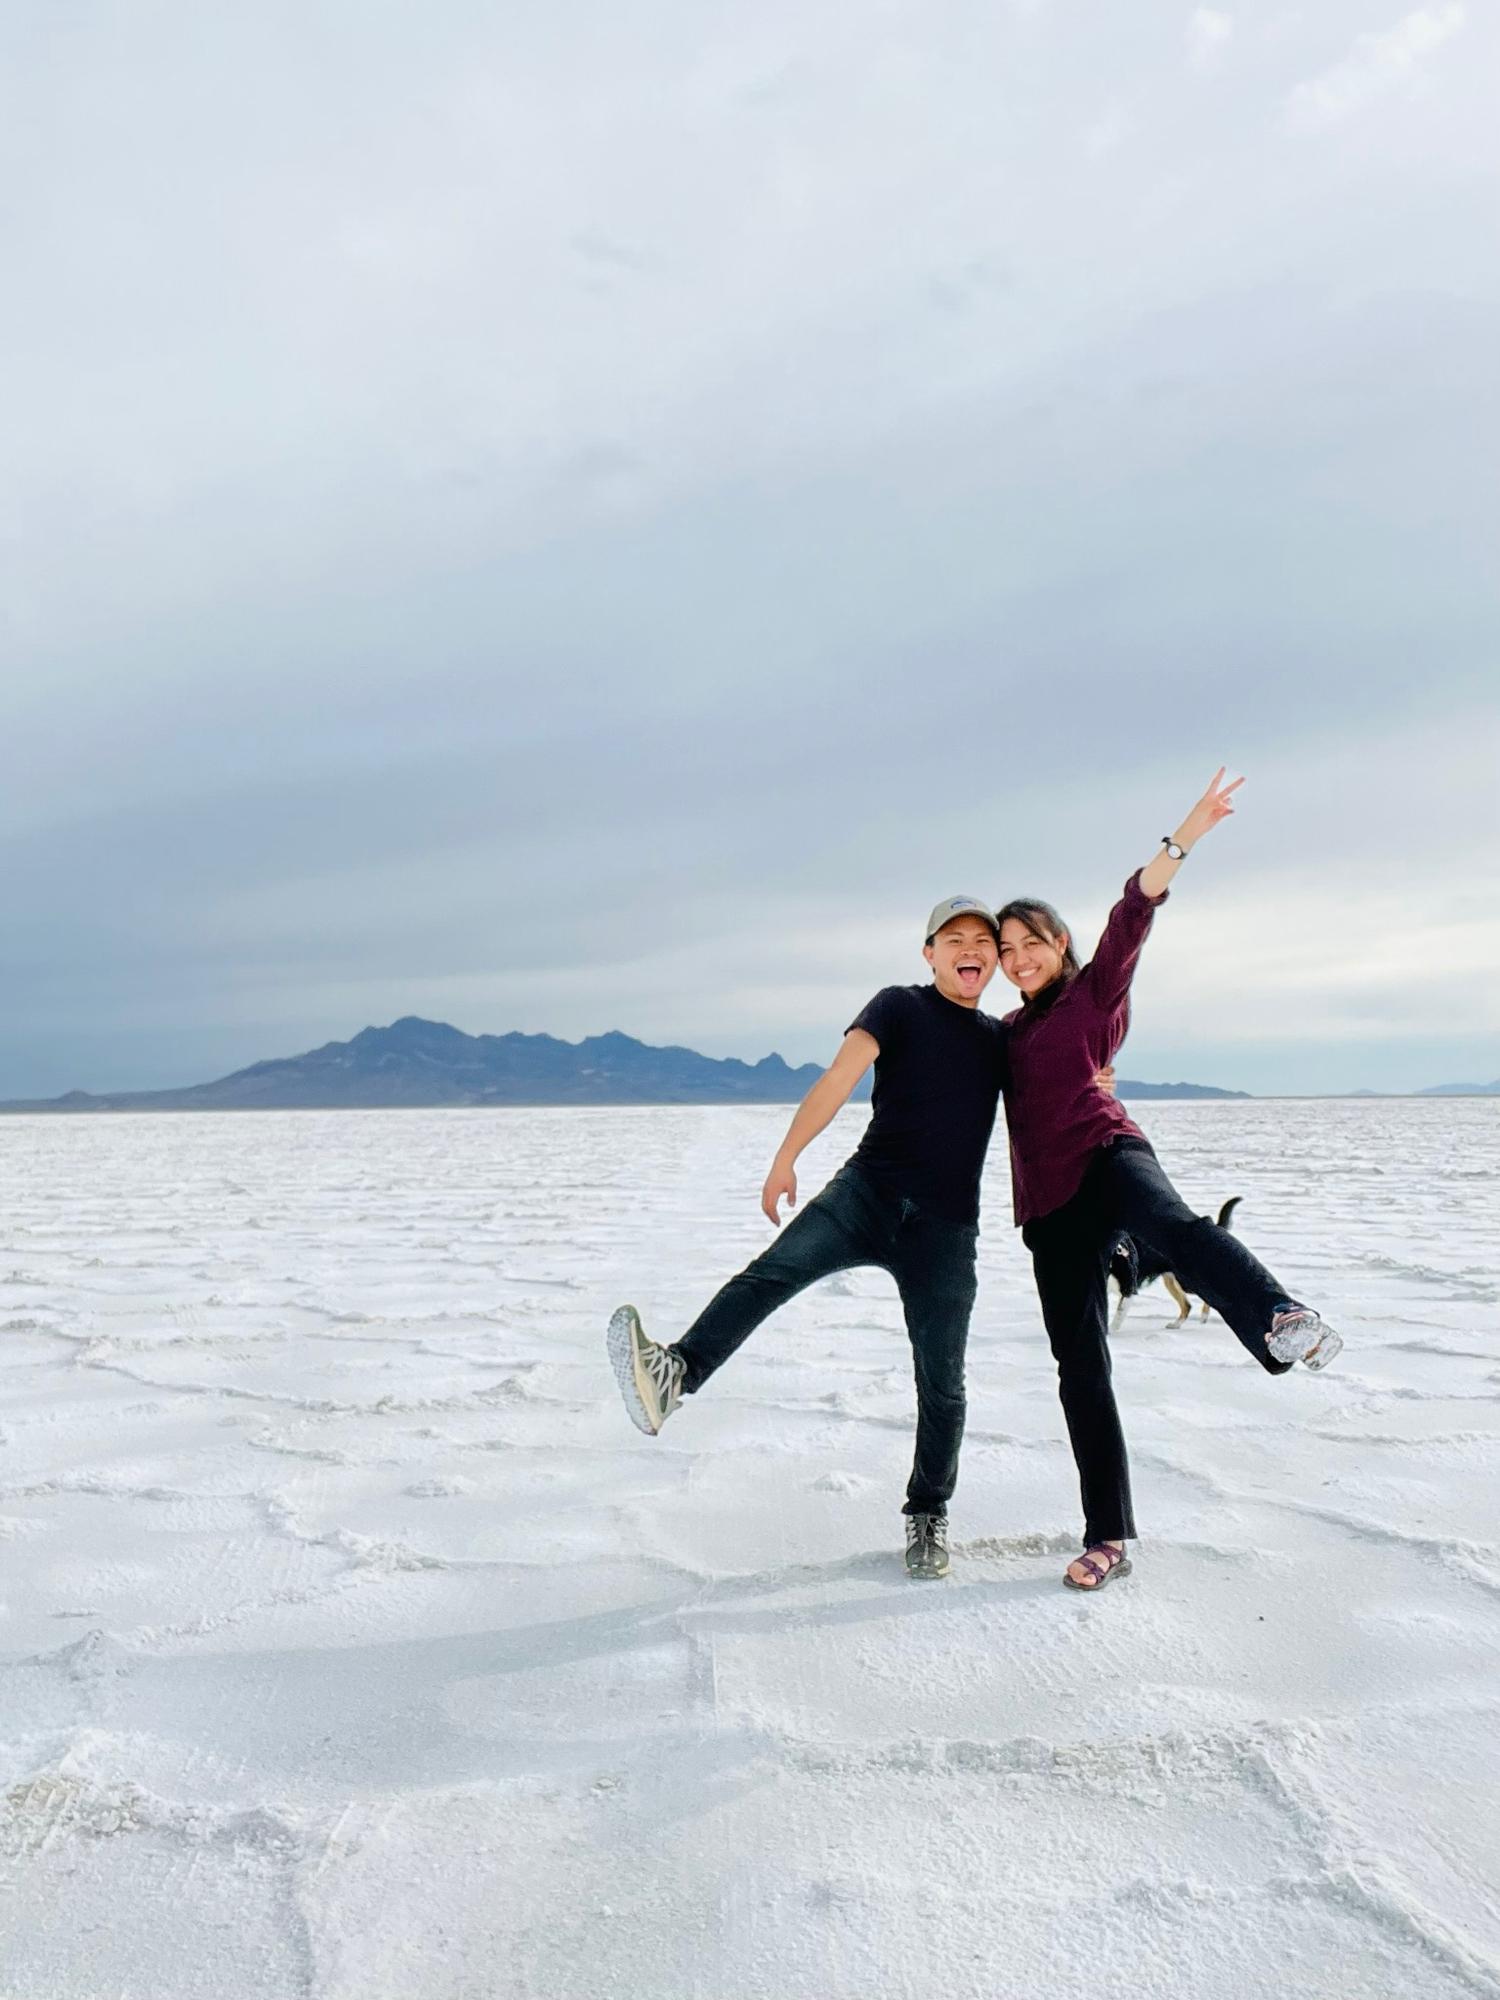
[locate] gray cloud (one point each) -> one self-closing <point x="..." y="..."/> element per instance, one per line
<point x="574" y="527"/>
<point x="1376" y="64"/>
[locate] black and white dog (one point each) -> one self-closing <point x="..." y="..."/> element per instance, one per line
<point x="1132" y="1267"/>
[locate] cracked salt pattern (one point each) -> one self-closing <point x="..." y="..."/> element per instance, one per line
<point x="352" y="1642"/>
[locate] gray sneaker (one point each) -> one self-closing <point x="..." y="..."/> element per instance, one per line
<point x="649" y="1375"/>
<point x="1298" y="1334"/>
<point x="927" y="1545"/>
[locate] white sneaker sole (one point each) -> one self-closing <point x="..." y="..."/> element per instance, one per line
<point x="1331" y="1344"/>
<point x="624" y="1340"/>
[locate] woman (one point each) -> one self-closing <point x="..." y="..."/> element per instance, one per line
<point x="1084" y="1173"/>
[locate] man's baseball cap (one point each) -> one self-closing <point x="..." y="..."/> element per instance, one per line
<point x="960" y="906"/>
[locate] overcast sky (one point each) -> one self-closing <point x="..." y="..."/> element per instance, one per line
<point x="595" y="516"/>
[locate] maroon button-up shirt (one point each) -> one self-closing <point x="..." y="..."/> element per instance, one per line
<point x="1058" y="1117"/>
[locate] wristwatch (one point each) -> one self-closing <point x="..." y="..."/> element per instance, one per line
<point x="1174" y="852"/>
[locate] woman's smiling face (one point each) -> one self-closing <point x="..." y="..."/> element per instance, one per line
<point x="1029" y="960"/>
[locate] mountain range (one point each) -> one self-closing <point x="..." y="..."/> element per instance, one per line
<point x="414" y="1062"/>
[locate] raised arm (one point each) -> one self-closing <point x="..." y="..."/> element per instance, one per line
<point x="1112" y="967"/>
<point x="827" y="1097"/>
<point x="1210" y="809"/>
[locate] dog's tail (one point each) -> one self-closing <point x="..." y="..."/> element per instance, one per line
<point x="1228" y="1209"/>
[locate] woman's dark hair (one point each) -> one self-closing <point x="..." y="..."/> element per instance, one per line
<point x="1043" y="922"/>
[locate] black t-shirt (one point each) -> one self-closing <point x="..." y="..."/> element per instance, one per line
<point x="938" y="1079"/>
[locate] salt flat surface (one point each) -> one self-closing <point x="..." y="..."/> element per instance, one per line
<point x="352" y="1643"/>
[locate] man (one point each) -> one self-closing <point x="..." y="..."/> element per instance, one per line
<point x="906" y="1202"/>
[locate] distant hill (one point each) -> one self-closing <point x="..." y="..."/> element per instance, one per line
<point x="1462" y="1089"/>
<point x="1125" y="1087"/>
<point x="415" y="1063"/>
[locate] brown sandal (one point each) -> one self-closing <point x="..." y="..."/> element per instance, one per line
<point x="1116" y="1563"/>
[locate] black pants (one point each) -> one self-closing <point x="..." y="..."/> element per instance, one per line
<point x="1126" y="1189"/>
<point x="855" y="1222"/>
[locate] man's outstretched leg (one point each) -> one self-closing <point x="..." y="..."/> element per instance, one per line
<point x="831" y="1234"/>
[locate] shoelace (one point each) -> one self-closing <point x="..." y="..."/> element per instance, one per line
<point x="932" y="1528"/>
<point x="665" y="1370"/>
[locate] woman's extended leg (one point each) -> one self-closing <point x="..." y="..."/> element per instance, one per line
<point x="1070" y="1255"/>
<point x="1206" y="1259"/>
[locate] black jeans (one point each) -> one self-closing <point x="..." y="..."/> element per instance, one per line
<point x="1126" y="1189"/>
<point x="856" y="1222"/>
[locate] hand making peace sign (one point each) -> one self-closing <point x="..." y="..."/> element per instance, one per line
<point x="1210" y="809"/>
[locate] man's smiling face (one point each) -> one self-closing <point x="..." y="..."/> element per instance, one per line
<point x="963" y="956"/>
